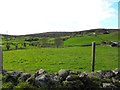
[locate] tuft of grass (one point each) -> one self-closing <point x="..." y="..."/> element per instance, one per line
<point x="6" y="86"/>
<point x="24" y="86"/>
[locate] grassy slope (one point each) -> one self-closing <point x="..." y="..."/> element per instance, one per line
<point x="89" y="39"/>
<point x="53" y="59"/>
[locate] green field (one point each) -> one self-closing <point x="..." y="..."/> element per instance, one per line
<point x="53" y="59"/>
<point x="77" y="58"/>
<point x="88" y="39"/>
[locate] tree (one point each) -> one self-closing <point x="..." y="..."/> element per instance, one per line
<point x="7" y="46"/>
<point x="24" y="44"/>
<point x="44" y="42"/>
<point x="16" y="46"/>
<point x="58" y="42"/>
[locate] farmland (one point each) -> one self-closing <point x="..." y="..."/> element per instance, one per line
<point x="53" y="59"/>
<point x="88" y="39"/>
<point x="77" y="58"/>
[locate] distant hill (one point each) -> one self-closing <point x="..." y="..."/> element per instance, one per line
<point x="77" y="38"/>
<point x="58" y="34"/>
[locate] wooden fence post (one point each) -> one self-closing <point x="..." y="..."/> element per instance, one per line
<point x="93" y="56"/>
<point x="0" y="58"/>
<point x="1" y="66"/>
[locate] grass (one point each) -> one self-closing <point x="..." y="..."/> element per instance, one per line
<point x="31" y="59"/>
<point x="81" y="40"/>
<point x="53" y="59"/>
<point x="88" y="39"/>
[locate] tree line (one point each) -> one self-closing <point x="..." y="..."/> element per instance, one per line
<point x="44" y="42"/>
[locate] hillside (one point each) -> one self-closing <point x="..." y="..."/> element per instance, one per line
<point x="56" y="34"/>
<point x="87" y="39"/>
<point x="69" y="38"/>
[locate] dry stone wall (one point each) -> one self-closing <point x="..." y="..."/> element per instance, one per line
<point x="62" y="80"/>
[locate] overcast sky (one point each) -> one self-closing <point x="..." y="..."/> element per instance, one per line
<point x="35" y="16"/>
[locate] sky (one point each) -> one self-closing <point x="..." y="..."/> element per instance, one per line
<point x="20" y="17"/>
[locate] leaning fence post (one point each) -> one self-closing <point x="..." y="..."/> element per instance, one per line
<point x="93" y="56"/>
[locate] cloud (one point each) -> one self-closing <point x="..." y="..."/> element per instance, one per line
<point x="34" y="16"/>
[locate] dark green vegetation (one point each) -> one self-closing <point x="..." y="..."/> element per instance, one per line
<point x="59" y="50"/>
